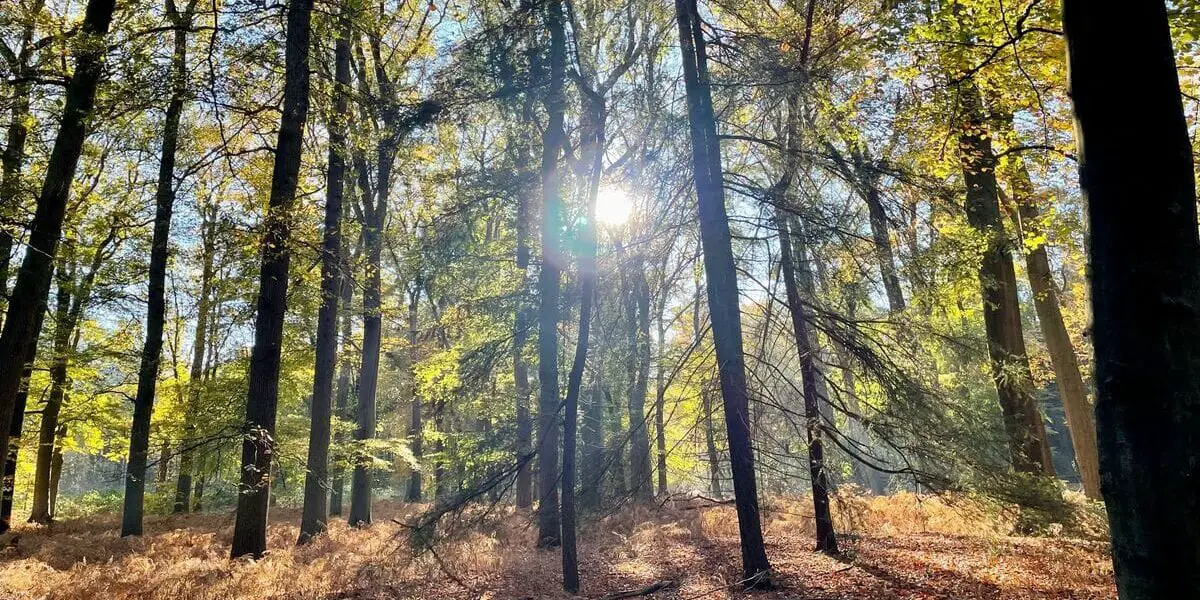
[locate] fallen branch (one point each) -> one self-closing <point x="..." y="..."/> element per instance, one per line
<point x="646" y="591"/>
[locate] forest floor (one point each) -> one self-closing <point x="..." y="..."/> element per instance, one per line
<point x="896" y="547"/>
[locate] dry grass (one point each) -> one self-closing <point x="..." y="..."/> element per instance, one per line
<point x="901" y="547"/>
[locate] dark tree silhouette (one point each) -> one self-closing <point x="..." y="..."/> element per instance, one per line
<point x="258" y="445"/>
<point x="1144" y="258"/>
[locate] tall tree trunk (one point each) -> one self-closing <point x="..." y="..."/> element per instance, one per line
<point x="637" y="309"/>
<point x="721" y="276"/>
<point x="998" y="283"/>
<point x="883" y="241"/>
<point x="63" y="331"/>
<point x="1137" y="178"/>
<point x="10" y="170"/>
<point x="549" y="530"/>
<point x="33" y="280"/>
<point x="345" y="385"/>
<point x="587" y="291"/>
<point x="156" y="310"/>
<point x="810" y="373"/>
<point x="15" y="430"/>
<point x="660" y="405"/>
<point x="1071" y="389"/>
<point x="524" y="420"/>
<point x="416" y="429"/>
<point x="183" y="485"/>
<point x="316" y="478"/>
<point x="592" y="451"/>
<point x="258" y="445"/>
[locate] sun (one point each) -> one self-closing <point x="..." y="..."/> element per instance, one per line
<point x="613" y="206"/>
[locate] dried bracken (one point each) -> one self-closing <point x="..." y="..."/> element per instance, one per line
<point x="899" y="547"/>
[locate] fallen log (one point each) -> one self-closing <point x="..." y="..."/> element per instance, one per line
<point x="646" y="591"/>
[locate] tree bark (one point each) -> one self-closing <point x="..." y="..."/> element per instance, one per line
<point x="416" y="429"/>
<point x="156" y="310"/>
<point x="721" y="276"/>
<point x="258" y="445"/>
<point x="998" y="286"/>
<point x="549" y="527"/>
<point x="56" y="463"/>
<point x="1144" y="260"/>
<point x="23" y="320"/>
<point x="1071" y="389"/>
<point x="316" y="478"/>
<point x="15" y="430"/>
<point x="64" y="329"/>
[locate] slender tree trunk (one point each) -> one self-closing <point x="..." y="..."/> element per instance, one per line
<point x="998" y="283"/>
<point x="198" y="494"/>
<point x="1137" y="178"/>
<point x="524" y="420"/>
<point x="637" y="309"/>
<point x="316" y="477"/>
<point x="721" y="276"/>
<point x="183" y="485"/>
<point x="1080" y="415"/>
<point x="56" y="463"/>
<point x="33" y="280"/>
<point x="60" y="361"/>
<point x="416" y="429"/>
<point x="344" y="385"/>
<point x="592" y="454"/>
<point x="587" y="284"/>
<point x="810" y="373"/>
<point x="549" y="527"/>
<point x="258" y="446"/>
<point x="884" y="254"/>
<point x="164" y="198"/>
<point x="660" y="405"/>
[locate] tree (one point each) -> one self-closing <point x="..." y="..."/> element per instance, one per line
<point x="75" y="284"/>
<point x="549" y="526"/>
<point x="164" y="200"/>
<point x="316" y="483"/>
<point x="250" y="529"/>
<point x="24" y="318"/>
<point x="721" y="277"/>
<point x="1136" y="171"/>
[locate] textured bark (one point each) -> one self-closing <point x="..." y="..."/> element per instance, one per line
<point x="156" y="310"/>
<point x="258" y="445"/>
<point x="721" y="276"/>
<point x="1071" y="389"/>
<point x="998" y="285"/>
<point x="1144" y="260"/>
<point x="316" y="477"/>
<point x="549" y="530"/>
<point x="23" y="320"/>
<point x="15" y="430"/>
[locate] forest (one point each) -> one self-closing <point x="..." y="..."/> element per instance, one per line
<point x="490" y="299"/>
